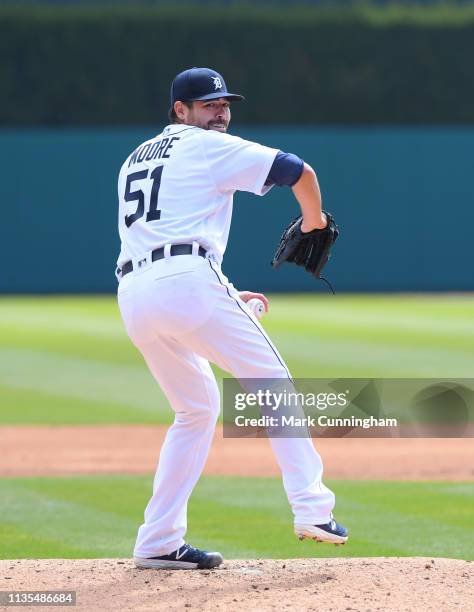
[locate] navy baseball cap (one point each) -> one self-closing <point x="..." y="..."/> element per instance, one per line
<point x="200" y="84"/>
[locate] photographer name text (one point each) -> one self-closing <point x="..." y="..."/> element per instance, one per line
<point x="308" y="421"/>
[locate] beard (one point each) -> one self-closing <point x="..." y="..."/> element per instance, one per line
<point x="218" y="126"/>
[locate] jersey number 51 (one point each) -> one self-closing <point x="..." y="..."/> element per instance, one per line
<point x="153" y="213"/>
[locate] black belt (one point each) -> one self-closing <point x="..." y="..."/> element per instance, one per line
<point x="176" y="249"/>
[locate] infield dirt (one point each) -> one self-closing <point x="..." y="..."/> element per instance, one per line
<point x="27" y="450"/>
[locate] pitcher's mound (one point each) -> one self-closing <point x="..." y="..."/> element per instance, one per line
<point x="301" y="584"/>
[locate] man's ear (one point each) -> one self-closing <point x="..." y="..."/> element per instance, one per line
<point x="179" y="109"/>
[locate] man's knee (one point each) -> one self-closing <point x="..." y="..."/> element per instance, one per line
<point x="203" y="412"/>
<point x="203" y="417"/>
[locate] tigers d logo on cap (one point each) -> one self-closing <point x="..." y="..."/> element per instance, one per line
<point x="217" y="82"/>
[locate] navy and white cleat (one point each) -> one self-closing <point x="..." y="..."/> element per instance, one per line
<point x="331" y="532"/>
<point x="185" y="557"/>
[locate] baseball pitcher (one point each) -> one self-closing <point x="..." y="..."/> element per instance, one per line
<point x="175" y="206"/>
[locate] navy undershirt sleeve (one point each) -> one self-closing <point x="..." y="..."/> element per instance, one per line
<point x="286" y="170"/>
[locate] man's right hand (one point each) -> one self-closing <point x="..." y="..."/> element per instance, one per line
<point x="309" y="227"/>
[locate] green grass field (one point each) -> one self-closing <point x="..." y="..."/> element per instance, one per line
<point x="243" y="518"/>
<point x="68" y="360"/>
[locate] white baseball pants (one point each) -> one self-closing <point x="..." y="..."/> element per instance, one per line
<point x="181" y="312"/>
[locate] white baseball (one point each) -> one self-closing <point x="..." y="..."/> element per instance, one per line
<point x="257" y="307"/>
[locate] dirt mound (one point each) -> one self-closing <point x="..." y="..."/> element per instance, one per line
<point x="303" y="584"/>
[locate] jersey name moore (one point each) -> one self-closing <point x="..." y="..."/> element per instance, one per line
<point x="153" y="150"/>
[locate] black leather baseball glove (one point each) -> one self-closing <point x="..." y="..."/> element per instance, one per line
<point x="310" y="249"/>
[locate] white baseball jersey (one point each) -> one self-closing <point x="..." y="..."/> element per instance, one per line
<point x="178" y="188"/>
